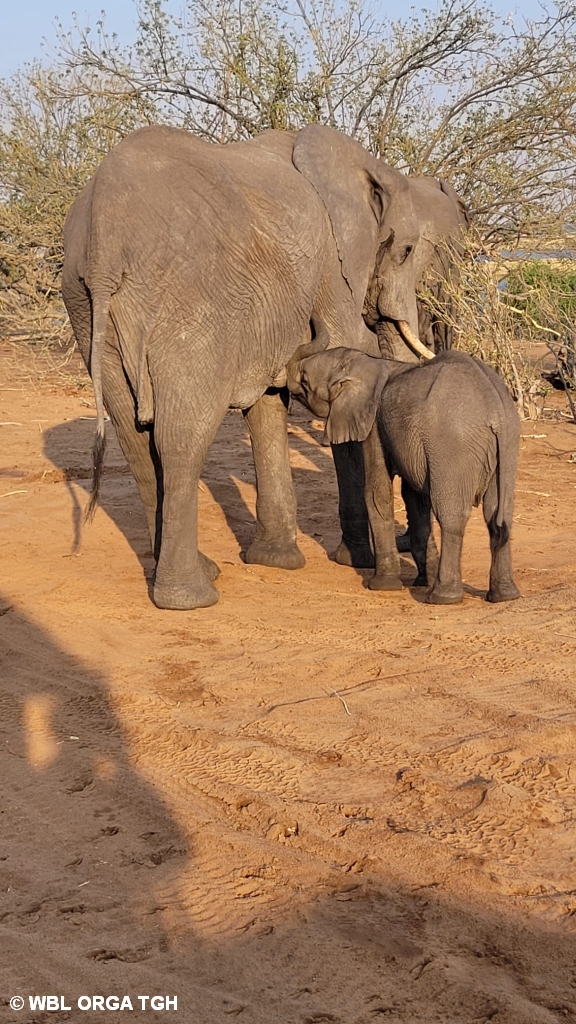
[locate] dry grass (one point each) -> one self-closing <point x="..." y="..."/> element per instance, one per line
<point x="500" y="328"/>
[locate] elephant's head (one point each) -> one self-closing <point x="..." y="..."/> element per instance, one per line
<point x="374" y="225"/>
<point x="343" y="386"/>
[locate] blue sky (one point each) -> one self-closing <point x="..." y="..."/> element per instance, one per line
<point x="25" y="23"/>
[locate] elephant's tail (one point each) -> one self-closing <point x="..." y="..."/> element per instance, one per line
<point x="507" y="458"/>
<point x="100" y="310"/>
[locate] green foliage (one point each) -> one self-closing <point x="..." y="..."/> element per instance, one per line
<point x="486" y="322"/>
<point x="545" y="293"/>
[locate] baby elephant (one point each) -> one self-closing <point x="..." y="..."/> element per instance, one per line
<point x="450" y="429"/>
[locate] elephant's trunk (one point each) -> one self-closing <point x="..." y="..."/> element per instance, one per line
<point x="413" y="341"/>
<point x="319" y="343"/>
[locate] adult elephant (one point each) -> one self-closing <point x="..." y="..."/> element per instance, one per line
<point x="441" y="217"/>
<point x="191" y="275"/>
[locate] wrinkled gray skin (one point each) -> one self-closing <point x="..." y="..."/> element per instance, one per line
<point x="450" y="429"/>
<point x="191" y="274"/>
<point x="441" y="217"/>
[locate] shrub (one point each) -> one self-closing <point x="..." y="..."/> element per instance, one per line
<point x="49" y="147"/>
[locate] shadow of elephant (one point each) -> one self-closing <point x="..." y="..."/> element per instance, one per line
<point x="228" y="476"/>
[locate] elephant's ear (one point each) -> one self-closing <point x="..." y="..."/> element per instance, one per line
<point x="463" y="215"/>
<point x="354" y="191"/>
<point x="353" y="407"/>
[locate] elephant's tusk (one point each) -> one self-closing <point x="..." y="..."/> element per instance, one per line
<point x="412" y="341"/>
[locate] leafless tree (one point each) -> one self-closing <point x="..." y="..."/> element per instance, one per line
<point x="455" y="93"/>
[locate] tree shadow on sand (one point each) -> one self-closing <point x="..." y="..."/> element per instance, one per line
<point x="69" y="447"/>
<point x="86" y="843"/>
<point x="231" y="480"/>
<point x="228" y="475"/>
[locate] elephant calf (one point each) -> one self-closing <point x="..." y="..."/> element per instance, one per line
<point x="450" y="430"/>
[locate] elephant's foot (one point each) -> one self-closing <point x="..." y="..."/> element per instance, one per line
<point x="452" y="594"/>
<point x="209" y="566"/>
<point x="356" y="556"/>
<point x="403" y="543"/>
<point x="505" y="592"/>
<point x="382" y="582"/>
<point x="276" y="554"/>
<point x="420" y="581"/>
<point x="200" y="594"/>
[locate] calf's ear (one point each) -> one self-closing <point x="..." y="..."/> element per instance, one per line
<point x="353" y="406"/>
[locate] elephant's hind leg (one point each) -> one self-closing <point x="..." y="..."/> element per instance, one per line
<point x="139" y="448"/>
<point x="183" y="575"/>
<point x="502" y="586"/>
<point x="452" y="518"/>
<point x="275" y="540"/>
<point x="448" y="588"/>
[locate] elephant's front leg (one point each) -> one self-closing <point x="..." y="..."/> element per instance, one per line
<point x="275" y="540"/>
<point x="380" y="504"/>
<point x="354" y="548"/>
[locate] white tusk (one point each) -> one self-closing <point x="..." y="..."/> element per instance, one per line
<point x="412" y="341"/>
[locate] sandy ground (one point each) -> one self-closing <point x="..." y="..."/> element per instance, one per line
<point x="308" y="804"/>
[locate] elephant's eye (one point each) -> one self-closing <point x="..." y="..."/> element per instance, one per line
<point x="405" y="254"/>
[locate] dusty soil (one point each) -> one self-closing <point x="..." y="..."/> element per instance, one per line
<point x="310" y="803"/>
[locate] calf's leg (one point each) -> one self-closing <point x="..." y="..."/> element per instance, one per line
<point x="380" y="505"/>
<point x="447" y="587"/>
<point x="422" y="543"/>
<point x="451" y="505"/>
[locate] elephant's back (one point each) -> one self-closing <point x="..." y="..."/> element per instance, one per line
<point x="219" y="206"/>
<point x="220" y="248"/>
<point x="174" y="170"/>
<point x="461" y="399"/>
<point x="443" y="412"/>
